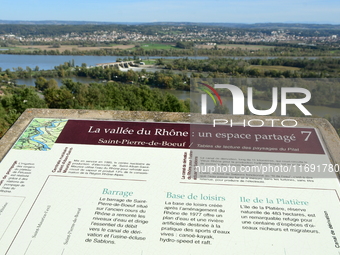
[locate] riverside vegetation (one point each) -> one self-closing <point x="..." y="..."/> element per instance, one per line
<point x="132" y="90"/>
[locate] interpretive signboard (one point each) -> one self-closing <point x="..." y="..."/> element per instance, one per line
<point x="71" y="186"/>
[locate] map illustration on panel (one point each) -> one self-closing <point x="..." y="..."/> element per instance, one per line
<point x="40" y="135"/>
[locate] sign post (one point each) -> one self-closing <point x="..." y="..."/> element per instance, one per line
<point x="77" y="184"/>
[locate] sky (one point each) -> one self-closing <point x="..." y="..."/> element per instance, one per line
<point x="225" y="11"/>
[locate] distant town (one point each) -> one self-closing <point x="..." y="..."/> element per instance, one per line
<point x="200" y="34"/>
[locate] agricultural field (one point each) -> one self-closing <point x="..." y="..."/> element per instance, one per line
<point x="149" y="61"/>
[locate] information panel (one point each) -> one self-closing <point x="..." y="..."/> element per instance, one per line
<point x="111" y="187"/>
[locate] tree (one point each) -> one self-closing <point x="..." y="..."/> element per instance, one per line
<point x="41" y="83"/>
<point x="221" y="109"/>
<point x="131" y="76"/>
<point x="52" y="83"/>
<point x="59" y="98"/>
<point x="185" y="45"/>
<point x="159" y="62"/>
<point x="26" y="98"/>
<point x="172" y="104"/>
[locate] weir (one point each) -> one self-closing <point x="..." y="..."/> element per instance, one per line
<point x="125" y="64"/>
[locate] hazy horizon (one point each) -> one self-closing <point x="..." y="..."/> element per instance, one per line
<point x="169" y="21"/>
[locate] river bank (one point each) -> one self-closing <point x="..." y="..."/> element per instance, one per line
<point x="48" y="62"/>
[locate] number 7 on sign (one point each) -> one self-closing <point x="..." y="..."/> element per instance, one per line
<point x="306" y="132"/>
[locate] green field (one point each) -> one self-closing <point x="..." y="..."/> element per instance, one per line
<point x="149" y="61"/>
<point x="10" y="48"/>
<point x="157" y="46"/>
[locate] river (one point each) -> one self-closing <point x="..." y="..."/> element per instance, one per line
<point x="48" y="62"/>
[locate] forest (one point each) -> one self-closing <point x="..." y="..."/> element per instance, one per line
<point x="76" y="95"/>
